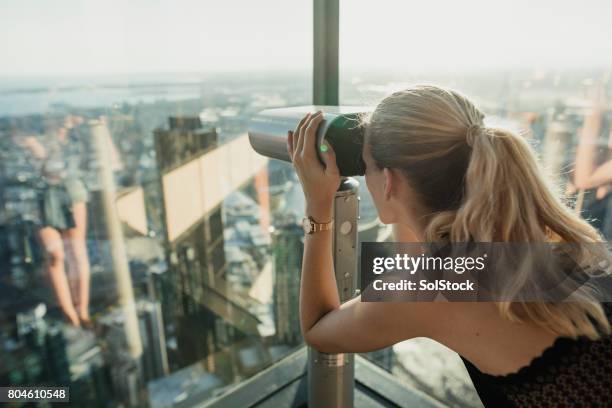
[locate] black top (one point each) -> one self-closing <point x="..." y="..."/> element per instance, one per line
<point x="569" y="373"/>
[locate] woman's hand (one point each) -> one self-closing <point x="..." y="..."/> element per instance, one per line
<point x="319" y="182"/>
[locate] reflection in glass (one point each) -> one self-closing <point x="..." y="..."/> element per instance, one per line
<point x="63" y="214"/>
<point x="181" y="222"/>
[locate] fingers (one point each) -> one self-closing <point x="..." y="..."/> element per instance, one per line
<point x="290" y="144"/>
<point x="329" y="158"/>
<point x="301" y="143"/>
<point x="298" y="141"/>
<point x="310" y="135"/>
<point x="294" y="139"/>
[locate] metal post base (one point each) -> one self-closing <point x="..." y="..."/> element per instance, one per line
<point x="331" y="377"/>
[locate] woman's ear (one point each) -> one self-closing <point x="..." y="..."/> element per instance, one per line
<point x="389" y="183"/>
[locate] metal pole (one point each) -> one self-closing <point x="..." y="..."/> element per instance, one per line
<point x="331" y="377"/>
<point x="326" y="28"/>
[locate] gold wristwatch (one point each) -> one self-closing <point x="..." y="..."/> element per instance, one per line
<point x="310" y="226"/>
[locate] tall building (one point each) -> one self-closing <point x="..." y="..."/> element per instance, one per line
<point x="154" y="356"/>
<point x="288" y="244"/>
<point x="194" y="247"/>
<point x="194" y="293"/>
<point x="129" y="375"/>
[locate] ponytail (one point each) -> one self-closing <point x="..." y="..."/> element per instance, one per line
<point x="507" y="199"/>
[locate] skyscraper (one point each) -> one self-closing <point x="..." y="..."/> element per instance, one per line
<point x="194" y="238"/>
<point x="288" y="244"/>
<point x="154" y="356"/>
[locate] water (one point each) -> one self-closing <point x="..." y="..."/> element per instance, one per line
<point x="36" y="96"/>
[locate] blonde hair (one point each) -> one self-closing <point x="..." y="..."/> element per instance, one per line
<point x="480" y="184"/>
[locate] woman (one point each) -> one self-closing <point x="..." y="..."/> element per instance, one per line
<point x="435" y="169"/>
<point x="63" y="209"/>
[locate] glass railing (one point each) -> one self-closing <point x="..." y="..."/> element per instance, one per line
<point x="148" y="256"/>
<point x="145" y="241"/>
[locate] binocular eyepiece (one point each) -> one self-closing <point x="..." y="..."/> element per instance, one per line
<point x="340" y="128"/>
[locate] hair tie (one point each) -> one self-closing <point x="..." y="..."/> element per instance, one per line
<point x="473" y="131"/>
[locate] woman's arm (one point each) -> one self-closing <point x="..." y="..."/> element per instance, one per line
<point x="318" y="293"/>
<point x="601" y="176"/>
<point x="355" y="326"/>
<point x="587" y="173"/>
<point x="327" y="325"/>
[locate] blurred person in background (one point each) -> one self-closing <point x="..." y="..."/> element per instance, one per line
<point x="593" y="168"/>
<point x="63" y="211"/>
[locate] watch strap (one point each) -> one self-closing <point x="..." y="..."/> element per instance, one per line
<point x="319" y="226"/>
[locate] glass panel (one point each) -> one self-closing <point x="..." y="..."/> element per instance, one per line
<point x="533" y="68"/>
<point x="147" y="253"/>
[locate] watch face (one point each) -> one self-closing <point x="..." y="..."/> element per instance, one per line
<point x="306" y="225"/>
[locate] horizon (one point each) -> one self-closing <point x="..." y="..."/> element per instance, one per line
<point x="193" y="75"/>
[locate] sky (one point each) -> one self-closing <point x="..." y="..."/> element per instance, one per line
<point x="476" y="34"/>
<point x="43" y="37"/>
